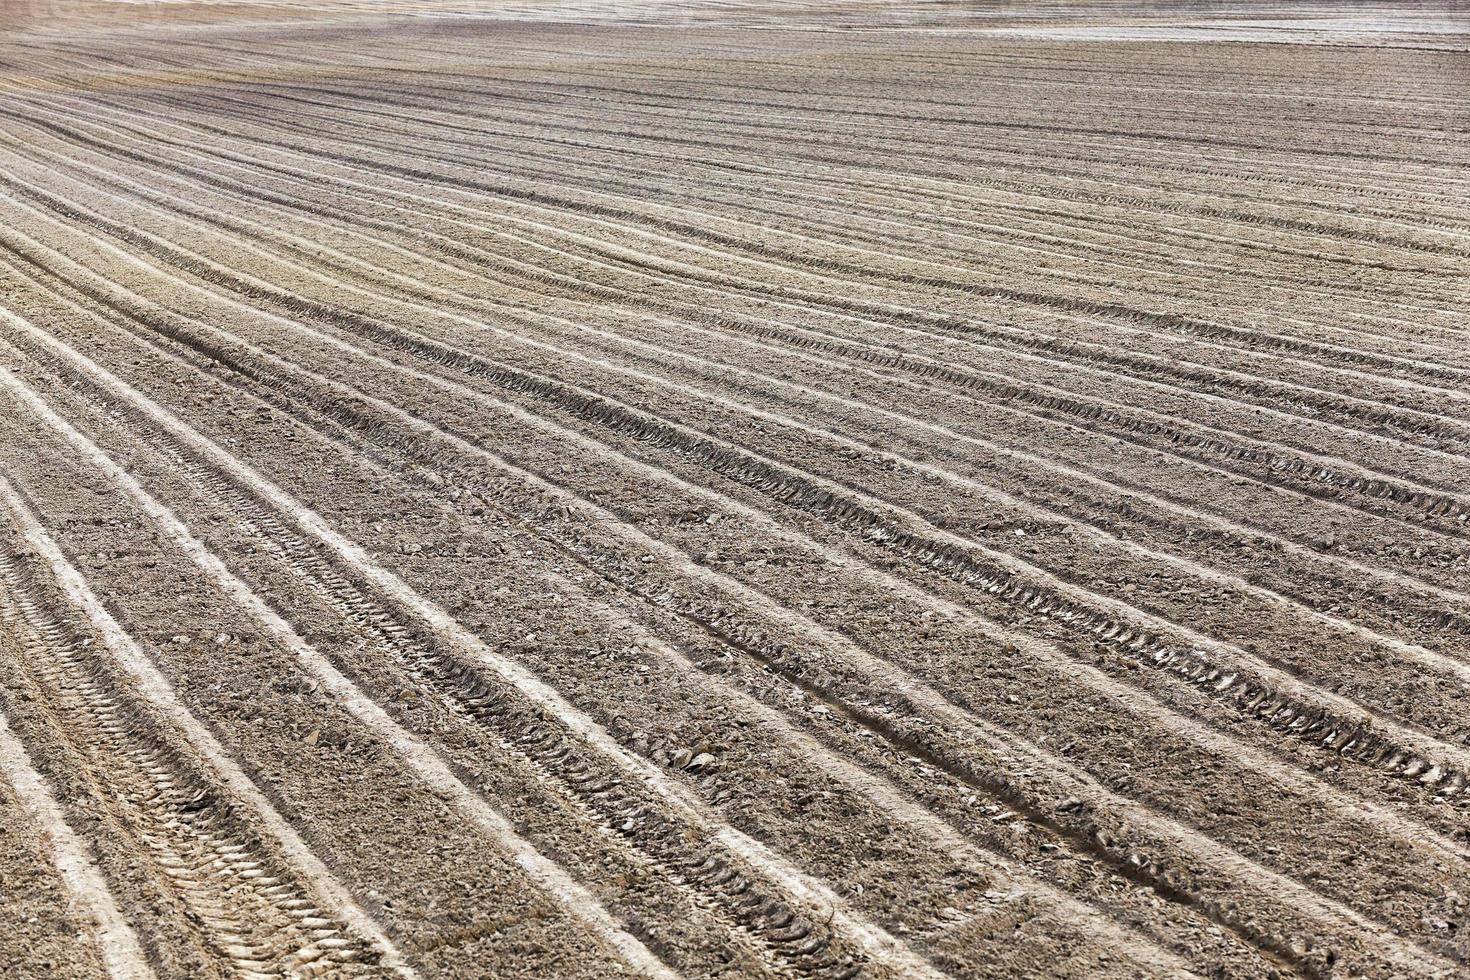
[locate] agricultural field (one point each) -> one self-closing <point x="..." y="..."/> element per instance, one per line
<point x="734" y="489"/>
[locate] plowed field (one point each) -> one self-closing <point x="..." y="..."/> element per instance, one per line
<point x="739" y="489"/>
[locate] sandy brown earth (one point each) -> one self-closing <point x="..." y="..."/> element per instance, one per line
<point x="734" y="489"/>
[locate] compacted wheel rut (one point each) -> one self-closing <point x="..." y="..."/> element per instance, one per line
<point x="1159" y="876"/>
<point x="56" y="891"/>
<point x="621" y="792"/>
<point x="730" y="489"/>
<point x="247" y="914"/>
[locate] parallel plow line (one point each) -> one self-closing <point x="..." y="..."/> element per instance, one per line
<point x="852" y="277"/>
<point x="247" y="908"/>
<point x="1423" y="500"/>
<point x="1398" y="424"/>
<point x="422" y="761"/>
<point x="1306" y="719"/>
<point x="343" y="426"/>
<point x="117" y="944"/>
<point x="737" y="868"/>
<point x="1436" y="617"/>
<point x="1130" y="861"/>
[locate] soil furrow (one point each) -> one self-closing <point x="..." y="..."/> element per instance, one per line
<point x="734" y="489"/>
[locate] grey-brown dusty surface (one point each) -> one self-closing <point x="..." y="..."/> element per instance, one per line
<point x="737" y="489"/>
